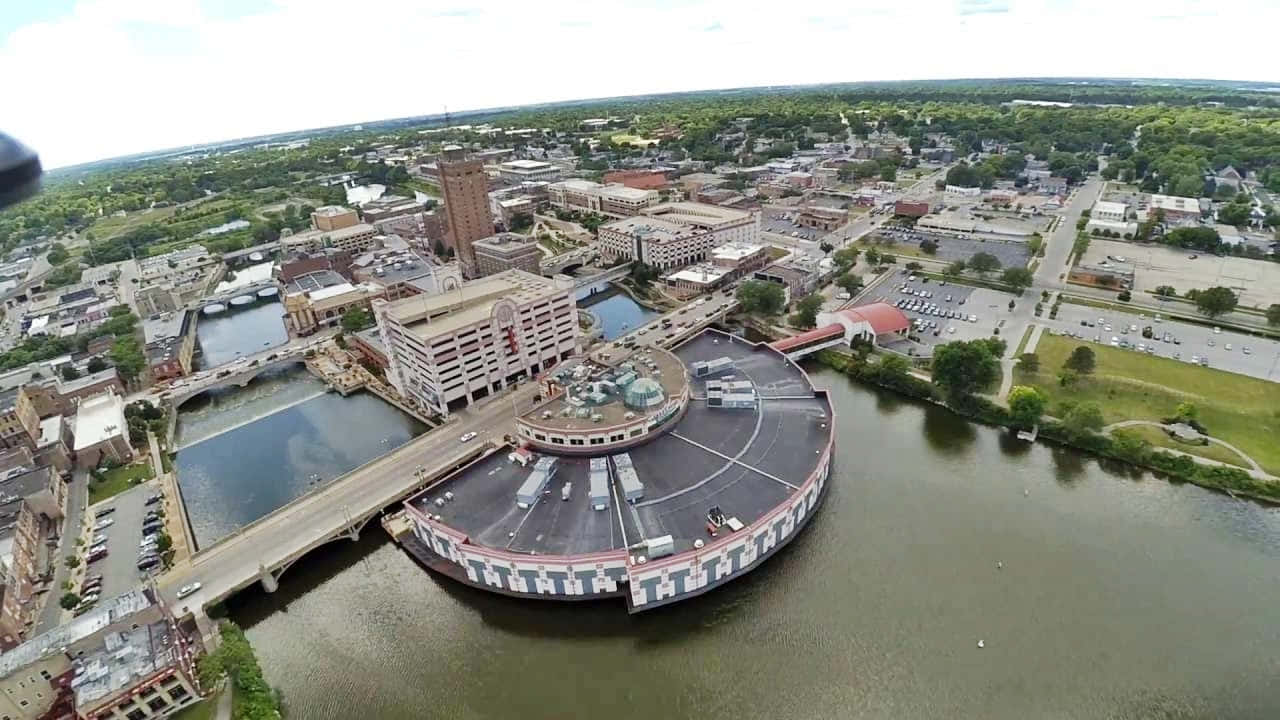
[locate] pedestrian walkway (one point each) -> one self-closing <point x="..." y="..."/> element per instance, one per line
<point x="1254" y="468"/>
<point x="175" y="517"/>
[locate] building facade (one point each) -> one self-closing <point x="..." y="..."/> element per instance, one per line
<point x="19" y="423"/>
<point x="465" y="190"/>
<point x="611" y="200"/>
<point x="458" y="347"/>
<point x="516" y="171"/>
<point x="355" y="239"/>
<point x="673" y="235"/>
<point x="334" y="217"/>
<point x="506" y="251"/>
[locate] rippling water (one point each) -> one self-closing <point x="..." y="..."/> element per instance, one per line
<point x="618" y="313"/>
<point x="1122" y="596"/>
<point x="240" y="332"/>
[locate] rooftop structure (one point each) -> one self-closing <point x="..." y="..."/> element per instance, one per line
<point x="506" y="251"/>
<point x="333" y="217"/>
<point x="354" y="238"/>
<point x="673" y="235"/>
<point x="711" y="494"/>
<point x="611" y="200"/>
<point x="522" y="170"/>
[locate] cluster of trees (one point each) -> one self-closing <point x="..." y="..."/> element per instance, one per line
<point x="760" y="297"/>
<point x="807" y="309"/>
<point x="141" y="415"/>
<point x="356" y="319"/>
<point x="1214" y="301"/>
<point x="234" y="659"/>
<point x="965" y="367"/>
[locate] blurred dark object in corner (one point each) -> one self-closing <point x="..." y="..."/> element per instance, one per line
<point x="19" y="171"/>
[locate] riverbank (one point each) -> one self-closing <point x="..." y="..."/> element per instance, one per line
<point x="234" y="658"/>
<point x="1128" y="449"/>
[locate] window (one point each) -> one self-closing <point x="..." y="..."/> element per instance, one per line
<point x="137" y="714"/>
<point x="575" y="441"/>
<point x="157" y="703"/>
<point x="178" y="693"/>
<point x="45" y="674"/>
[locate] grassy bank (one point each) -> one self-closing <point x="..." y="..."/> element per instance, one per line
<point x="1125" y="448"/>
<point x="234" y="658"/>
<point x="118" y="480"/>
<point x="1159" y="438"/>
<point x="1126" y="385"/>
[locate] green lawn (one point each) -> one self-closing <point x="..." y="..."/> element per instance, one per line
<point x="1159" y="438"/>
<point x="109" y="226"/>
<point x="1241" y="410"/>
<point x="118" y="480"/>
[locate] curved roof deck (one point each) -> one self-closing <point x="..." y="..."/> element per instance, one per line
<point x="745" y="461"/>
<point x="559" y="411"/>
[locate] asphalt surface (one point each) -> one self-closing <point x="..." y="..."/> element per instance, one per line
<point x="77" y="496"/>
<point x="1263" y="360"/>
<point x="989" y="307"/>
<point x="119" y="569"/>
<point x="952" y="247"/>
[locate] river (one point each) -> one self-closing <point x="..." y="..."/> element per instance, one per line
<point x="236" y="332"/>
<point x="244" y="453"/>
<point x="618" y="313"/>
<point x="1121" y="596"/>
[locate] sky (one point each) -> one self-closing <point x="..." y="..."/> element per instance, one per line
<point x="84" y="80"/>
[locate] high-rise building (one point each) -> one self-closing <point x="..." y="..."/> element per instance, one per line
<point x="466" y="203"/>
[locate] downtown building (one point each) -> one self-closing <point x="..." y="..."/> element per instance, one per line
<point x="673" y="235"/>
<point x="591" y="197"/>
<point x="465" y="344"/>
<point x="465" y="190"/>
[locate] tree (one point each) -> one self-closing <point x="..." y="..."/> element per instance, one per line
<point x="1166" y="291"/>
<point x="849" y="282"/>
<point x="1273" y="314"/>
<point x="1233" y="214"/>
<point x="1216" y="301"/>
<point x="1124" y="296"/>
<point x="955" y="268"/>
<point x="826" y="247"/>
<point x="806" y="314"/>
<point x="983" y="263"/>
<point x="845" y="258"/>
<point x="887" y="259"/>
<point x="873" y="256"/>
<point x="1081" y="418"/>
<point x="760" y="296"/>
<point x="69" y="600"/>
<point x="1018" y="277"/>
<point x="1186" y="411"/>
<point x="914" y="266"/>
<point x="1026" y="405"/>
<point x="1068" y="377"/>
<point x="1029" y="362"/>
<point x="1082" y="360"/>
<point x="127" y="356"/>
<point x="928" y="247"/>
<point x="96" y="364"/>
<point x="72" y="562"/>
<point x="893" y="366"/>
<point x="963" y="368"/>
<point x="69" y="372"/>
<point x="57" y="254"/>
<point x="356" y="319"/>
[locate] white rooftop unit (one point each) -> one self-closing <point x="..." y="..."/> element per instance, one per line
<point x="712" y="367"/>
<point x="536" y="483"/>
<point x="625" y="472"/>
<point x="733" y="394"/>
<point x="599" y="484"/>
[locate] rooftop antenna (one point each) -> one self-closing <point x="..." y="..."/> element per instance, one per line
<point x="447" y="121"/>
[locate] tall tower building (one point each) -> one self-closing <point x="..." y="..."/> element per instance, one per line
<point x="466" y="203"/>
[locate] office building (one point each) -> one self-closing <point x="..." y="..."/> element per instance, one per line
<point x="100" y="430"/>
<point x="319" y="299"/>
<point x="19" y="423"/>
<point x="460" y="346"/>
<point x="465" y="188"/>
<point x="334" y="217"/>
<point x="612" y="200"/>
<point x="32" y="501"/>
<point x="673" y="235"/>
<point x="355" y="239"/>
<point x="727" y="263"/>
<point x="388" y="207"/>
<point x="170" y="342"/>
<point x="516" y="171"/>
<point x="506" y="251"/>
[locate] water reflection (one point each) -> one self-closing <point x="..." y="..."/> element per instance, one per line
<point x="944" y="433"/>
<point x="618" y="313"/>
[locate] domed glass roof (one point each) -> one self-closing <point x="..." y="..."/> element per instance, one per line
<point x="642" y="394"/>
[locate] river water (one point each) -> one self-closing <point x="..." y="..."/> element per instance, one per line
<point x="236" y="332"/>
<point x="242" y="453"/>
<point x="1121" y="596"/>
<point x="618" y="313"/>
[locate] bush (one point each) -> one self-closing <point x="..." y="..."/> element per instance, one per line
<point x="1124" y="296"/>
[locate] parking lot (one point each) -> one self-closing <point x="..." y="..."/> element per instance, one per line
<point x="1224" y="350"/>
<point x="952" y="247"/>
<point x="779" y="224"/>
<point x="929" y="305"/>
<point x="1257" y="282"/>
<point x="119" y="569"/>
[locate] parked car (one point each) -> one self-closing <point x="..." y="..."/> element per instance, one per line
<point x="104" y="524"/>
<point x="188" y="589"/>
<point x="103" y="512"/>
<point x="468" y="437"/>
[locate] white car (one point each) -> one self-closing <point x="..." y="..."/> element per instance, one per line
<point x="186" y="590"/>
<point x="468" y="437"/>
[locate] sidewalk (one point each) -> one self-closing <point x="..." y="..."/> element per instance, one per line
<point x="175" y="518"/>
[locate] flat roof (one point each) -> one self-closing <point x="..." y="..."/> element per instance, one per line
<point x="667" y="372"/>
<point x="164" y="326"/>
<point x="432" y="315"/>
<point x="746" y="461"/>
<point x="735" y="250"/>
<point x="697" y="214"/>
<point x="331" y="210"/>
<point x="1108" y="206"/>
<point x="526" y="165"/>
<point x="655" y="228"/>
<point x="703" y="273"/>
<point x="314" y="281"/>
<point x="74" y="630"/>
<point x="98" y="417"/>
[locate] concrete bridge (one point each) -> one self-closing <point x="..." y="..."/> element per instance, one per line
<point x="592" y="284"/>
<point x="263" y="550"/>
<point x="225" y="297"/>
<point x="239" y="372"/>
<point x="568" y="261"/>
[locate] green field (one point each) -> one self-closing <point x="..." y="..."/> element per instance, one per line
<point x="1241" y="410"/>
<point x="1159" y="438"/>
<point x="109" y="226"/>
<point x="118" y="480"/>
<point x="204" y="710"/>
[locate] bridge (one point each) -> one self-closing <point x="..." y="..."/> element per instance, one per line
<point x="266" y="548"/>
<point x="238" y="255"/>
<point x="225" y="297"/>
<point x="564" y="262"/>
<point x="238" y="372"/>
<point x="592" y="284"/>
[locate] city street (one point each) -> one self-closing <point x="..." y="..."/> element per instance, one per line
<point x="77" y="496"/>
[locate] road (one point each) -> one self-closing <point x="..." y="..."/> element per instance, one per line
<point x="77" y="498"/>
<point x="1051" y="275"/>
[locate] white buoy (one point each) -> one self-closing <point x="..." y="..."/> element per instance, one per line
<point x="1025" y="492"/>
<point x="981" y="644"/>
<point x="999" y="565"/>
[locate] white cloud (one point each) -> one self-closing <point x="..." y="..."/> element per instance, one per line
<point x="122" y="76"/>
